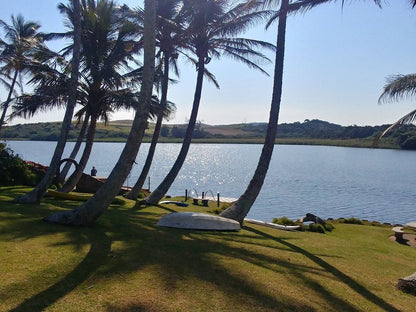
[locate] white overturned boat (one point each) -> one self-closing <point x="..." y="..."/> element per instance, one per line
<point x="198" y="221"/>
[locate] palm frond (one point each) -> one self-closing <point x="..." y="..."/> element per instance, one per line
<point x="398" y="87"/>
<point x="405" y="120"/>
<point x="301" y="7"/>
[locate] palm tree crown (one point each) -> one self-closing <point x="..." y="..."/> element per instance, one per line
<point x="18" y="49"/>
<point x="211" y="30"/>
<point x="398" y="87"/>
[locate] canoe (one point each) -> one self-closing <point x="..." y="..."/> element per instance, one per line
<point x="177" y="203"/>
<point x="273" y="225"/>
<point x="198" y="221"/>
<point x="77" y="197"/>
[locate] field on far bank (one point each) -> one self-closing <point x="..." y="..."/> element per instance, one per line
<point x="310" y="132"/>
<point x="126" y="263"/>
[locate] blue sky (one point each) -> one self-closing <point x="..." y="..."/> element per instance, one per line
<point x="336" y="64"/>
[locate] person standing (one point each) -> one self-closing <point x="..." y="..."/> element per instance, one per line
<point x="93" y="171"/>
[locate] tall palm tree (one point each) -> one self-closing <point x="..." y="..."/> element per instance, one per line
<point x="170" y="39"/>
<point x="212" y="31"/>
<point x="242" y="206"/>
<point x="87" y="213"/>
<point x="37" y="193"/>
<point x="107" y="46"/>
<point x="21" y="43"/>
<point x="398" y="87"/>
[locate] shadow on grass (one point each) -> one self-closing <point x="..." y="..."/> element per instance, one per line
<point x="334" y="271"/>
<point x="186" y="255"/>
<point x="100" y="247"/>
<point x="182" y="259"/>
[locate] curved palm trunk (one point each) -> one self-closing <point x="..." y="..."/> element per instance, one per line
<point x="74" y="178"/>
<point x="242" y="206"/>
<point x="164" y="186"/>
<point x="9" y="96"/>
<point x="75" y="150"/>
<point x="37" y="193"/>
<point x="134" y="192"/>
<point x="87" y="213"/>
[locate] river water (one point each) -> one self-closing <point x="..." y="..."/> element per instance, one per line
<point x="372" y="184"/>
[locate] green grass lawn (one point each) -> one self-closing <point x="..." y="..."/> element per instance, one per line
<point x="126" y="263"/>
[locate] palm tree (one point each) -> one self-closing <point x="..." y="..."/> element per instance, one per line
<point x="163" y="113"/>
<point x="75" y="149"/>
<point x="107" y="46"/>
<point x="242" y="206"/>
<point x="87" y="213"/>
<point x="170" y="38"/>
<point x="212" y="32"/>
<point x="37" y="193"/>
<point x="22" y="40"/>
<point x="398" y="87"/>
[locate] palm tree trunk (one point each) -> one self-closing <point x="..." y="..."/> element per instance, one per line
<point x="164" y="186"/>
<point x="134" y="192"/>
<point x="242" y="206"/>
<point x="87" y="213"/>
<point x="37" y="193"/>
<point x="9" y="96"/>
<point x="74" y="178"/>
<point x="75" y="150"/>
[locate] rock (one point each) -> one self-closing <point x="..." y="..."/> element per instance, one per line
<point x="312" y="218"/>
<point x="198" y="221"/>
<point x="408" y="284"/>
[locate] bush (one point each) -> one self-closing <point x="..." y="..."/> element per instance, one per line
<point x="15" y="171"/>
<point x="283" y="221"/>
<point x="316" y="227"/>
<point x="328" y="227"/>
<point x="351" y="221"/>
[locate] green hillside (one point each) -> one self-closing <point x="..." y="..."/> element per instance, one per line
<point x="315" y="132"/>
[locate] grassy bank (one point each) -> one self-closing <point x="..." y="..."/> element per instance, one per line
<point x="126" y="263"/>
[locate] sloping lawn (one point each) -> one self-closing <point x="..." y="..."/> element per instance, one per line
<point x="126" y="263"/>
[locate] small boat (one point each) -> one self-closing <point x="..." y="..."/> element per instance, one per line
<point x="177" y="203"/>
<point x="78" y="197"/>
<point x="273" y="225"/>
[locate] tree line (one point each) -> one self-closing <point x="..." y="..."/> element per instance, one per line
<point x="118" y="57"/>
<point x="404" y="138"/>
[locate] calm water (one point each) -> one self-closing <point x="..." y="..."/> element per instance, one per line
<point x="327" y="181"/>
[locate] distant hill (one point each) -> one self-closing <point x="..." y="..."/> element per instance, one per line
<point x="308" y="132"/>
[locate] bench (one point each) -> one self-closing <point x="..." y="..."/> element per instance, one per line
<point x="204" y="202"/>
<point x="398" y="232"/>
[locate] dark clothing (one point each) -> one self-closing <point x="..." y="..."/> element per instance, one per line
<point x="93" y="172"/>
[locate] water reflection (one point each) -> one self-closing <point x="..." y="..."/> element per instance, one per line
<point x="328" y="181"/>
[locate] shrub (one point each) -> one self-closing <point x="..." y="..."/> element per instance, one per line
<point x="316" y="227"/>
<point x="351" y="221"/>
<point x="14" y="170"/>
<point x="376" y="223"/>
<point x="283" y="221"/>
<point x="329" y="226"/>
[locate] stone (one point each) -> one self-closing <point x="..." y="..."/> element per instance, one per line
<point x="312" y="218"/>
<point x="198" y="221"/>
<point x="408" y="284"/>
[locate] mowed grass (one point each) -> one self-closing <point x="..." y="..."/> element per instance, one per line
<point x="126" y="263"/>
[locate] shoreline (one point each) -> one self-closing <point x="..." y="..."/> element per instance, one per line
<point x="354" y="143"/>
